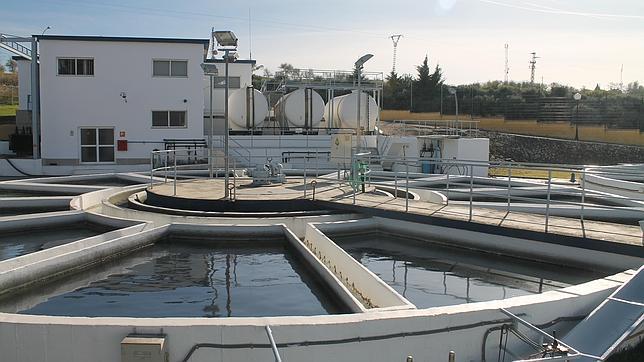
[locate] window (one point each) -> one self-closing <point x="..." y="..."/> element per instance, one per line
<point x="75" y="66"/>
<point x="97" y="144"/>
<point x="170" y="68"/>
<point x="168" y="119"/>
<point x="235" y="82"/>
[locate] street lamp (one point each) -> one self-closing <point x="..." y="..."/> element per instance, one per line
<point x="577" y="98"/>
<point x="359" y="65"/>
<point x="228" y="41"/>
<point x="210" y="69"/>
<point x="452" y="90"/>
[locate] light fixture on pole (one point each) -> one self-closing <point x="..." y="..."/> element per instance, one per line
<point x="452" y="90"/>
<point x="210" y="69"/>
<point x="577" y="98"/>
<point x="228" y="41"/>
<point x="359" y="65"/>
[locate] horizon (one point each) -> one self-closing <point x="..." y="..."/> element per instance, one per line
<point x="580" y="43"/>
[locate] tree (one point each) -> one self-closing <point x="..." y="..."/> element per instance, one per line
<point x="2" y="69"/>
<point x="11" y="65"/>
<point x="426" y="94"/>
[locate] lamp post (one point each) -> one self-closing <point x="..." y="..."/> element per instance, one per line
<point x="577" y="98"/>
<point x="228" y="40"/>
<point x="210" y="69"/>
<point x="453" y="91"/>
<point x="359" y="65"/>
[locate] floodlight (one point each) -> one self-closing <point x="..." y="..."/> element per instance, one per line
<point x="363" y="59"/>
<point x="577" y="96"/>
<point x="225" y="38"/>
<point x="451" y="90"/>
<point x="209" y="68"/>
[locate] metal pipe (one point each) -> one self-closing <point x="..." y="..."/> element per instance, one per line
<point x="406" y="181"/>
<point x="151" y="167"/>
<point x="451" y="357"/>
<point x="226" y="132"/>
<point x="276" y="352"/>
<point x="447" y="189"/>
<point x="395" y="185"/>
<point x="35" y="99"/>
<point x="211" y="160"/>
<point x="548" y="198"/>
<point x="358" y="70"/>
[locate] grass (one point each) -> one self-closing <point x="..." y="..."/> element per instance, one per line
<point x="8" y="110"/>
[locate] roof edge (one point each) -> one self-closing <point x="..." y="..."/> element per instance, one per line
<point x="122" y="39"/>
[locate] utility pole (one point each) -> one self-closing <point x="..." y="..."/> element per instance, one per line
<point x="507" y="67"/>
<point x="621" y="78"/>
<point x="395" y="38"/>
<point x="533" y="66"/>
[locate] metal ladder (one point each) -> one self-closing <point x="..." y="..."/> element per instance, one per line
<point x="12" y="44"/>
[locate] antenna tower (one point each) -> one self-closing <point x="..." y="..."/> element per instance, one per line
<point x="533" y="66"/>
<point x="395" y="38"/>
<point x="507" y="67"/>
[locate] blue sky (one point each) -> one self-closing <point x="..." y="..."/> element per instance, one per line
<point x="580" y="42"/>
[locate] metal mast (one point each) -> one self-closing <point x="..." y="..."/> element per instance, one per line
<point x="507" y="67"/>
<point x="533" y="66"/>
<point x="395" y="38"/>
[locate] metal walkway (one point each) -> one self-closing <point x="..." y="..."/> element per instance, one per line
<point x="12" y="44"/>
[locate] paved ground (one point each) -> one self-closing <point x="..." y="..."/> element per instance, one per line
<point x="330" y="191"/>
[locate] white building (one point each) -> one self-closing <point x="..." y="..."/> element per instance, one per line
<point x="106" y="102"/>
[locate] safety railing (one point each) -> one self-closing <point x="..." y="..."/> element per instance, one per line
<point x="544" y="189"/>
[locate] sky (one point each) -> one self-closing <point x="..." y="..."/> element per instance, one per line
<point x="578" y="42"/>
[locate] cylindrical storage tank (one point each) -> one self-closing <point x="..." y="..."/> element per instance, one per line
<point x="292" y="108"/>
<point x="345" y="111"/>
<point x="240" y="105"/>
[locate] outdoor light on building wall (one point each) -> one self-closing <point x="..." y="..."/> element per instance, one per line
<point x="225" y="38"/>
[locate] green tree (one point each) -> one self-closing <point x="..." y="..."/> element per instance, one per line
<point x="11" y="65"/>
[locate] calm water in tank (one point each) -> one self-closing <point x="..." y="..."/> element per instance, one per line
<point x="167" y="280"/>
<point x="430" y="275"/>
<point x="31" y="210"/>
<point x="13" y="244"/>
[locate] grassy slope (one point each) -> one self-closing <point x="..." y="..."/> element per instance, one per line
<point x="8" y="110"/>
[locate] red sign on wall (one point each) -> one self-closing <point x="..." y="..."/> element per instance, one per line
<point x="121" y="145"/>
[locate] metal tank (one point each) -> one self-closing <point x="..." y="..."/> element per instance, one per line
<point x="302" y="108"/>
<point x="342" y="111"/>
<point x="247" y="108"/>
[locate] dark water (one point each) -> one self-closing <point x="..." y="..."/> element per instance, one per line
<point x="31" y="210"/>
<point x="25" y="193"/>
<point x="13" y="244"/>
<point x="107" y="181"/>
<point x="430" y="275"/>
<point x="196" y="281"/>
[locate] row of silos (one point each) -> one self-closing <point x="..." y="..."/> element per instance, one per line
<point x="302" y="108"/>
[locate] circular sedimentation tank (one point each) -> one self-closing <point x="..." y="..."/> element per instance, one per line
<point x="319" y="275"/>
<point x="292" y="109"/>
<point x="344" y="111"/>
<point x="238" y="108"/>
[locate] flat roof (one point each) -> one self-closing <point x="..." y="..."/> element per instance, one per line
<point x="243" y="61"/>
<point x="122" y="39"/>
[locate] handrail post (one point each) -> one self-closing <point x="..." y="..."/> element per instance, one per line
<point x="509" y="184"/>
<point x="305" y="176"/>
<point x="175" y="173"/>
<point x="583" y="201"/>
<point x="151" y="167"/>
<point x="406" y="185"/>
<point x="395" y="184"/>
<point x="548" y="198"/>
<point x="447" y="189"/>
<point x="471" y="188"/>
<point x="165" y="168"/>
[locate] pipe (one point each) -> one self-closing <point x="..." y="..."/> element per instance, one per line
<point x="276" y="353"/>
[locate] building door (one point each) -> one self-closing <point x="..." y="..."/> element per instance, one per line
<point x="97" y="145"/>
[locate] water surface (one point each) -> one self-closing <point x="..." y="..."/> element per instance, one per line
<point x="167" y="280"/>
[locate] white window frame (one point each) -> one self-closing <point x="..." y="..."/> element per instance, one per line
<point x="185" y="111"/>
<point x="97" y="146"/>
<point x="170" y="70"/>
<point x="76" y="59"/>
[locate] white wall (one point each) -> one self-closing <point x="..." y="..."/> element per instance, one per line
<point x="24" y="83"/>
<point x="69" y="102"/>
<point x="466" y="149"/>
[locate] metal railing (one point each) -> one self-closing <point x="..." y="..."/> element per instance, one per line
<point x="512" y="187"/>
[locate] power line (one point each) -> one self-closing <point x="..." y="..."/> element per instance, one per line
<point x="395" y="38"/>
